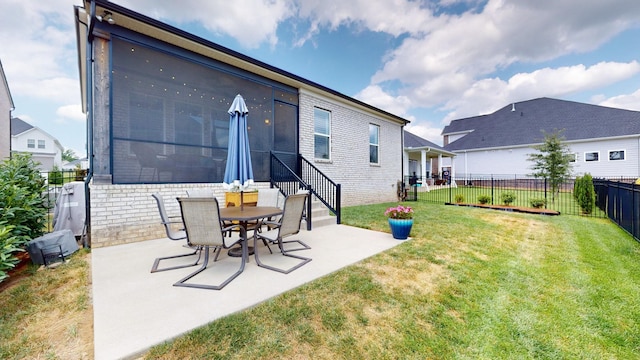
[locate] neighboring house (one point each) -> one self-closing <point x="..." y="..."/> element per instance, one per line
<point x="6" y="106"/>
<point x="44" y="148"/>
<point x="157" y="97"/>
<point x="605" y="141"/>
<point x="424" y="159"/>
<point x="76" y="164"/>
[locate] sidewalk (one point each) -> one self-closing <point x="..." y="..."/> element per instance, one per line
<point x="135" y="309"/>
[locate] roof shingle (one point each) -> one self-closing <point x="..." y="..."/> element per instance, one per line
<point x="523" y="123"/>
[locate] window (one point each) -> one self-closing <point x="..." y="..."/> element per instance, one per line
<point x="616" y="155"/>
<point x="592" y="156"/>
<point x="573" y="157"/>
<point x="322" y="133"/>
<point x="31" y="143"/>
<point x="41" y="144"/>
<point x="374" y="143"/>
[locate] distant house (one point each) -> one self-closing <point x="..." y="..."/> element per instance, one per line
<point x="44" y="148"/>
<point x="424" y="160"/>
<point x="76" y="164"/>
<point x="6" y="106"/>
<point x="156" y="100"/>
<point x="604" y="141"/>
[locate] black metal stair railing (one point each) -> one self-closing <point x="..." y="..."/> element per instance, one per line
<point x="308" y="177"/>
<point x="327" y="191"/>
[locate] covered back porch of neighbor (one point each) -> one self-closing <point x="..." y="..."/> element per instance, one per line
<point x="424" y="166"/>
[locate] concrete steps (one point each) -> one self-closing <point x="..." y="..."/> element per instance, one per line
<point x="320" y="215"/>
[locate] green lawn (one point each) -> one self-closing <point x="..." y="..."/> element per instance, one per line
<point x="471" y="284"/>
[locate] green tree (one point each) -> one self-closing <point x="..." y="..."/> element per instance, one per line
<point x="552" y="161"/>
<point x="69" y="155"/>
<point x="585" y="193"/>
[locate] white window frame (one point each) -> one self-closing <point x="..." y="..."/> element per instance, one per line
<point x="317" y="134"/>
<point x="42" y="144"/>
<point x="377" y="145"/>
<point x="592" y="152"/>
<point x="575" y="157"/>
<point x="31" y="143"/>
<point x="624" y="155"/>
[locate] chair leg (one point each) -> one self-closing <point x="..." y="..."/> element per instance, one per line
<point x="304" y="246"/>
<point x="156" y="263"/>
<point x="285" y="253"/>
<point x="181" y="282"/>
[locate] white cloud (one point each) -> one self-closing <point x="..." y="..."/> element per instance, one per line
<point x="425" y="131"/>
<point x="71" y="112"/>
<point x="627" y="101"/>
<point x="376" y="96"/>
<point x="452" y="60"/>
<point x="38" y="49"/>
<point x="488" y="95"/>
<point x="251" y="22"/>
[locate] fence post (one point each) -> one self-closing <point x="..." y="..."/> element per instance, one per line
<point x="492" y="185"/>
<point x="545" y="193"/>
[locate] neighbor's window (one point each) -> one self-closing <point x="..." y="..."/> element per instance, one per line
<point x="31" y="143"/>
<point x="322" y="133"/>
<point x="40" y="144"/>
<point x="374" y="143"/>
<point x="616" y="155"/>
<point x="592" y="156"/>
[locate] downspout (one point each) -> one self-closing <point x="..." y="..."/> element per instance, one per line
<point x="402" y="156"/>
<point x="89" y="82"/>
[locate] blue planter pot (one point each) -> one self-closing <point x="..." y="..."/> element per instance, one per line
<point x="400" y="228"/>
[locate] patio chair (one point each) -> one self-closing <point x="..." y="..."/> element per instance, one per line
<point x="148" y="159"/>
<point x="288" y="225"/>
<point x="169" y="223"/>
<point x="201" y="217"/>
<point x="206" y="193"/>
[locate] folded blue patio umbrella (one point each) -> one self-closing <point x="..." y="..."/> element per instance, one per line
<point x="238" y="173"/>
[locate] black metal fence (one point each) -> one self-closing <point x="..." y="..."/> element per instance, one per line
<point x="620" y="200"/>
<point x="55" y="180"/>
<point x="471" y="189"/>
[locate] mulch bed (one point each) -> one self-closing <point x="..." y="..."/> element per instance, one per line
<point x="527" y="210"/>
<point x="18" y="272"/>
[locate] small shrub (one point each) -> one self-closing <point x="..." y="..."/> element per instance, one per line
<point x="459" y="198"/>
<point x="21" y="202"/>
<point x="55" y="176"/>
<point x="508" y="198"/>
<point x="584" y="193"/>
<point x="484" y="199"/>
<point x="538" y="203"/>
<point x="8" y="246"/>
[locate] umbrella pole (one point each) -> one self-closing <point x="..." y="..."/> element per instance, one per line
<point x="241" y="200"/>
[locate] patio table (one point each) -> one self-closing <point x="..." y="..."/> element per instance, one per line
<point x="243" y="217"/>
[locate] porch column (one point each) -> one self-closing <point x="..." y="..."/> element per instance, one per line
<point x="423" y="166"/>
<point x="440" y="166"/>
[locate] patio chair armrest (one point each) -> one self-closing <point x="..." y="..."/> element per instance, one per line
<point x="232" y="227"/>
<point x="271" y="223"/>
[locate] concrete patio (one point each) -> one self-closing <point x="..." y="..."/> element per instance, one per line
<point x="135" y="309"/>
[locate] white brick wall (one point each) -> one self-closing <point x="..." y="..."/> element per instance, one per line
<point x="127" y="213"/>
<point x="362" y="182"/>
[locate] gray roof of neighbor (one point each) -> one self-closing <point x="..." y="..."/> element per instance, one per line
<point x="18" y="126"/>
<point x="415" y="141"/>
<point x="523" y="123"/>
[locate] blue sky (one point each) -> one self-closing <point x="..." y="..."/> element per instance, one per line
<point x="427" y="61"/>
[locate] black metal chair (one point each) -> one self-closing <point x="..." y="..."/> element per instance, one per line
<point x="288" y="225"/>
<point x="170" y="223"/>
<point x="201" y="217"/>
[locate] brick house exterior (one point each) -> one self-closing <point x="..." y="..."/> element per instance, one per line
<point x="121" y="208"/>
